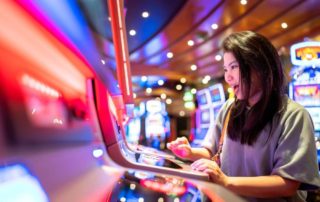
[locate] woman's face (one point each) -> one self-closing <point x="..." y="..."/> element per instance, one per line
<point x="232" y="77"/>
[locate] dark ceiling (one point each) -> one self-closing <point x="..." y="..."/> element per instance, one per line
<point x="171" y="24"/>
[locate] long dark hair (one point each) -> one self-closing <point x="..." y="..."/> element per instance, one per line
<point x="255" y="55"/>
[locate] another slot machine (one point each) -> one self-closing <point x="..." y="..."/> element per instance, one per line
<point x="204" y="116"/>
<point x="217" y="96"/>
<point x="305" y="85"/>
<point x="210" y="101"/>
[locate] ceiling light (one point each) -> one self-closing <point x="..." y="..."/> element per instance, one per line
<point x="178" y="87"/>
<point x="183" y="80"/>
<point x="169" y="55"/>
<point x="132" y="32"/>
<point x="193" y="91"/>
<point x="149" y="90"/>
<point x="214" y="26"/>
<point x="134" y="95"/>
<point x="109" y="18"/>
<point x="144" y="78"/>
<point x="244" y="2"/>
<point x="160" y="82"/>
<point x="190" y="43"/>
<point x="182" y="113"/>
<point x="145" y="14"/>
<point x="204" y="81"/>
<point x="207" y="77"/>
<point x="284" y="25"/>
<point x="218" y="57"/>
<point x="193" y="67"/>
<point x="103" y="62"/>
<point x="169" y="101"/>
<point x="189" y="105"/>
<point x="163" y="96"/>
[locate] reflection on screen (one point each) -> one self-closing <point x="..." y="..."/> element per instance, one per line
<point x="17" y="184"/>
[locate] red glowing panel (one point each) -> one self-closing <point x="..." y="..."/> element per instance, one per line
<point x="44" y="105"/>
<point x="167" y="187"/>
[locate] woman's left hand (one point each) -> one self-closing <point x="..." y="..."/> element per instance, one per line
<point x="212" y="169"/>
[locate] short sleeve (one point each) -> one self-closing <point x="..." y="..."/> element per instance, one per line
<point x="213" y="135"/>
<point x="295" y="156"/>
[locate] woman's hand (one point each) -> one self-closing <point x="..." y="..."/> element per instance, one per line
<point x="212" y="169"/>
<point x="181" y="148"/>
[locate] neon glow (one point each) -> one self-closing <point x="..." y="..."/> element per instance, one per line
<point x="305" y="53"/>
<point x="126" y="78"/>
<point x="168" y="187"/>
<point x="47" y="54"/>
<point x="36" y="85"/>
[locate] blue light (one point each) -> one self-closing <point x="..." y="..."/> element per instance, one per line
<point x="17" y="184"/>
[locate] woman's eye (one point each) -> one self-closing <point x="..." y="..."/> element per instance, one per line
<point x="234" y="66"/>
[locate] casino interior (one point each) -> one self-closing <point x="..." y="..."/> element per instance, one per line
<point x="93" y="90"/>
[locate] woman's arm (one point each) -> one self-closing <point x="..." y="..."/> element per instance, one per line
<point x="262" y="186"/>
<point x="198" y="153"/>
<point x="181" y="148"/>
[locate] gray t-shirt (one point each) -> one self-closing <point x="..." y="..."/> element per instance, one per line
<point x="289" y="152"/>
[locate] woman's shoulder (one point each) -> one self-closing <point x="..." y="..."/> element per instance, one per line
<point x="291" y="107"/>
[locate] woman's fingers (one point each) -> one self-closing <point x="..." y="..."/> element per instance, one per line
<point x="177" y="142"/>
<point x="204" y="164"/>
<point x="182" y="150"/>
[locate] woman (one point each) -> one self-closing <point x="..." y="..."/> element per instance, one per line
<point x="268" y="150"/>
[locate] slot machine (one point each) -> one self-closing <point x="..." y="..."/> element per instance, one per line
<point x="305" y="85"/>
<point x="59" y="125"/>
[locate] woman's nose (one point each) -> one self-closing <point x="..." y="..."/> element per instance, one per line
<point x="228" y="77"/>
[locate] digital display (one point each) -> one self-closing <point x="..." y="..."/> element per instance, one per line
<point x="307" y="95"/>
<point x="217" y="93"/>
<point x="202" y="99"/>
<point x="205" y="116"/>
<point x="17" y="184"/>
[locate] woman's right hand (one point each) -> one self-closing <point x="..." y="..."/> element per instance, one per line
<point x="181" y="148"/>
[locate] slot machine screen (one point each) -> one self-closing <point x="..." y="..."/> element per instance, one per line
<point x="307" y="95"/>
<point x="216" y="93"/>
<point x="205" y="116"/>
<point x="202" y="98"/>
